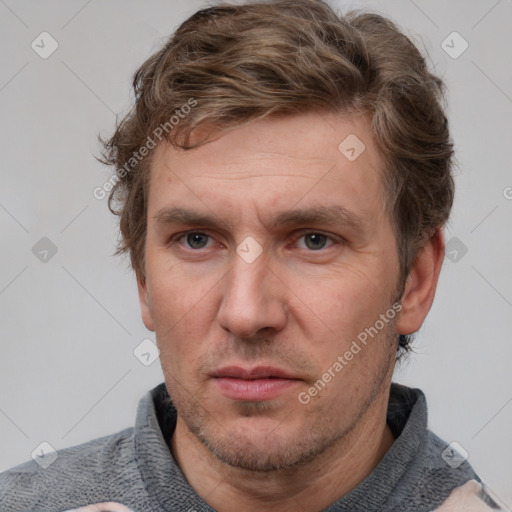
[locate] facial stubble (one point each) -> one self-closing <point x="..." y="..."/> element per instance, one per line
<point x="319" y="432"/>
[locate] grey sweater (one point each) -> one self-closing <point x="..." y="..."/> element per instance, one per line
<point x="135" y="469"/>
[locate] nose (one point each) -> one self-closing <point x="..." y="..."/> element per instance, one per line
<point x="253" y="299"/>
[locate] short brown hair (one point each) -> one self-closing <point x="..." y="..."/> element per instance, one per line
<point x="237" y="63"/>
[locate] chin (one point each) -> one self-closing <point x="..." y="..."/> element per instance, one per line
<point x="263" y="445"/>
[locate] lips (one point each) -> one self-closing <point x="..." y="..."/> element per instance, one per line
<point x="260" y="372"/>
<point x="253" y="384"/>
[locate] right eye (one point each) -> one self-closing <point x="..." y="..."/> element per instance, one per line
<point x="194" y="239"/>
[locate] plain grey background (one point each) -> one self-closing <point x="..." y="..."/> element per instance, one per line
<point x="70" y="321"/>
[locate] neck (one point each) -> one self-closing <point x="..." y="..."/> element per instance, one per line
<point x="315" y="485"/>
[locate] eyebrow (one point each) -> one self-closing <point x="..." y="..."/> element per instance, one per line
<point x="328" y="215"/>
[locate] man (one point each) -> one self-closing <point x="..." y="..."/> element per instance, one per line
<point x="282" y="183"/>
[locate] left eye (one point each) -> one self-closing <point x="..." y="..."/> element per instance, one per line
<point x="315" y="241"/>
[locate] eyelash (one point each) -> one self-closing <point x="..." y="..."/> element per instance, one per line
<point x="297" y="237"/>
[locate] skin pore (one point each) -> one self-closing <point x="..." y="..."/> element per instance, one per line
<point x="316" y="265"/>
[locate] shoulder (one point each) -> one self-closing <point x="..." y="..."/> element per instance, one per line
<point x="83" y="471"/>
<point x="432" y="470"/>
<point x="471" y="497"/>
<point x="447" y="477"/>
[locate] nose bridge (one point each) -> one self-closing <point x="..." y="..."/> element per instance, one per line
<point x="246" y="283"/>
<point x="252" y="297"/>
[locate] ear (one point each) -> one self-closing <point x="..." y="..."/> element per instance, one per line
<point x="145" y="308"/>
<point x="421" y="285"/>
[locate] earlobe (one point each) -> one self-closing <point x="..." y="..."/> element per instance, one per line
<point x="144" y="302"/>
<point x="421" y="285"/>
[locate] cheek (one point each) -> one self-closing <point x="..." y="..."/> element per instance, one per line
<point x="182" y="311"/>
<point x="344" y="309"/>
<point x="344" y="305"/>
<point x="177" y="290"/>
<point x="181" y="342"/>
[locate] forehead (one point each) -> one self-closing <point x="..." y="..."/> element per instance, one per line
<point x="277" y="162"/>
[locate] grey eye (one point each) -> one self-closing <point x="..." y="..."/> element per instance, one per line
<point x="197" y="240"/>
<point x="315" y="241"/>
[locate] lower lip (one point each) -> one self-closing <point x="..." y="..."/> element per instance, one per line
<point x="253" y="390"/>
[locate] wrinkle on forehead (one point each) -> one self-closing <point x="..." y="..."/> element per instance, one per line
<point x="299" y="160"/>
<point x="246" y="175"/>
<point x="272" y="165"/>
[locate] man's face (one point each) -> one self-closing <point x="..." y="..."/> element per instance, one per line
<point x="256" y="305"/>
